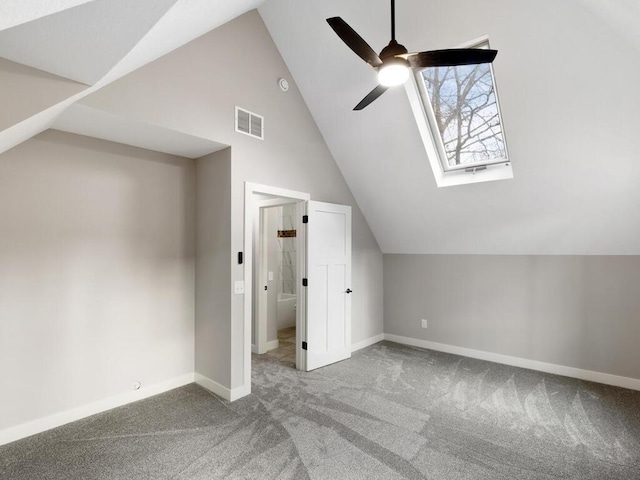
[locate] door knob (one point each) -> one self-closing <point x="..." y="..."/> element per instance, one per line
<point x="349" y="290"/>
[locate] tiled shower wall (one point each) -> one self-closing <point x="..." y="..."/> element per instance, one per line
<point x="287" y="251"/>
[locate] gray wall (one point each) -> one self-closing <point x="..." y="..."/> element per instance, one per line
<point x="27" y="91"/>
<point x="213" y="265"/>
<point x="96" y="272"/>
<point x="576" y="311"/>
<point x="194" y="89"/>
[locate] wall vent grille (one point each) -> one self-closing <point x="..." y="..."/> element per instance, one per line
<point x="249" y="123"/>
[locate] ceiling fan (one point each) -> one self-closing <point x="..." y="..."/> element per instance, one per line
<point x="394" y="62"/>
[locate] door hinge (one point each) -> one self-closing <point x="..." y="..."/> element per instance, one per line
<point x="304" y="345"/>
<point x="305" y="282"/>
<point x="305" y="219"/>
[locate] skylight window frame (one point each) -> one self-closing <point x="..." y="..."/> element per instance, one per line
<point x="497" y="169"/>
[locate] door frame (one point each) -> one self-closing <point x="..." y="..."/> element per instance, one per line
<point x="251" y="193"/>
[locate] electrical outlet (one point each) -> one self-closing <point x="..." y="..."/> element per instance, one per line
<point x="424" y="323"/>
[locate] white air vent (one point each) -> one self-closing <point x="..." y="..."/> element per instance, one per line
<point x="249" y="123"/>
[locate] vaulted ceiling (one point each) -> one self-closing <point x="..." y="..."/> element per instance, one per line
<point x="55" y="53"/>
<point x="566" y="73"/>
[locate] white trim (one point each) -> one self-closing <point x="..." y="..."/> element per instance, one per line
<point x="213" y="386"/>
<point x="591" y="376"/>
<point x="366" y="342"/>
<point x="301" y="293"/>
<point x="475" y="42"/>
<point x="240" y="392"/>
<point x="495" y="171"/>
<point x="220" y="390"/>
<point x="250" y="189"/>
<point x="272" y="345"/>
<point x="61" y="418"/>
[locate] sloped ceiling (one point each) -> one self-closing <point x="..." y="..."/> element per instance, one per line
<point x="94" y="42"/>
<point x="567" y="77"/>
<point x="567" y="80"/>
<point x="16" y="12"/>
<point x="80" y="43"/>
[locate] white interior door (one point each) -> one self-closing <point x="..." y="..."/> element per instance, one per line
<point x="328" y="319"/>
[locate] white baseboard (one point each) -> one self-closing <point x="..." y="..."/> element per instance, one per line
<point x="273" y="344"/>
<point x="213" y="386"/>
<point x="240" y="392"/>
<point x="598" y="377"/>
<point x="366" y="342"/>
<point x="220" y="390"/>
<point x="58" y="419"/>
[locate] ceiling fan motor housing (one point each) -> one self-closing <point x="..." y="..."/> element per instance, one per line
<point x="391" y="50"/>
<point x="394" y="69"/>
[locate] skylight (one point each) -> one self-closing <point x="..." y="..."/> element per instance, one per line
<point x="460" y="115"/>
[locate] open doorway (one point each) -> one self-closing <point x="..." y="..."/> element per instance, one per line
<point x="276" y="278"/>
<point x="257" y="196"/>
<point x="322" y="278"/>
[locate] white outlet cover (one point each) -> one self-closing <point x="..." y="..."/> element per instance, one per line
<point x="238" y="287"/>
<point x="424" y="323"/>
<point x="270" y="276"/>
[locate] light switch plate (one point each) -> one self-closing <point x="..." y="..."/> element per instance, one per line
<point x="238" y="287"/>
<point x="270" y="276"/>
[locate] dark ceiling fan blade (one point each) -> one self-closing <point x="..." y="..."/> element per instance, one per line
<point x="354" y="41"/>
<point x="373" y="94"/>
<point x="450" y="57"/>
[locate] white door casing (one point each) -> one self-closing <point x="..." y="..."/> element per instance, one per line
<point x="328" y="319"/>
<point x="252" y="194"/>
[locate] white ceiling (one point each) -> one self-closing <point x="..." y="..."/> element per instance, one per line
<point x="567" y="82"/>
<point x="80" y="43"/>
<point x="97" y="41"/>
<point x="622" y="15"/>
<point x="15" y="12"/>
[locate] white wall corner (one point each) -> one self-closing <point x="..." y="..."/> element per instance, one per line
<point x="272" y="345"/>
<point x="588" y="375"/>
<point x="62" y="418"/>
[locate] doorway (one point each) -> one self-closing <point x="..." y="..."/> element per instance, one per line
<point x="323" y="277"/>
<point x="276" y="280"/>
<point x="257" y="196"/>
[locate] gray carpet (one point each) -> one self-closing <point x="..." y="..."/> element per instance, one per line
<point x="390" y="412"/>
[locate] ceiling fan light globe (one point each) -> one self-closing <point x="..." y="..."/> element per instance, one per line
<point x="392" y="75"/>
